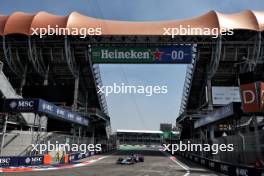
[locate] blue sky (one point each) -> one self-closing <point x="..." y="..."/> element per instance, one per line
<point x="151" y="110"/>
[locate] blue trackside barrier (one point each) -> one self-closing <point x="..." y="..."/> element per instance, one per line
<point x="8" y="161"/>
<point x="77" y="156"/>
<point x="222" y="167"/>
<point x="14" y="161"/>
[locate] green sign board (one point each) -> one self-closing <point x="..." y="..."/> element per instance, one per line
<point x="142" y="54"/>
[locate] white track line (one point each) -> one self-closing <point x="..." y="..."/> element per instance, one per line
<point x="172" y="158"/>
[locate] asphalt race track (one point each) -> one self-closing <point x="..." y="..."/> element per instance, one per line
<point x="156" y="164"/>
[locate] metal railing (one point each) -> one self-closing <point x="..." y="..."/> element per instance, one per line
<point x="245" y="148"/>
<point x="187" y="84"/>
<point x="99" y="82"/>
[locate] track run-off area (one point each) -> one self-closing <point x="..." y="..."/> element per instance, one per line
<point x="157" y="163"/>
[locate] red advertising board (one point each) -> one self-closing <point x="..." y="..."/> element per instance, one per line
<point x="249" y="96"/>
<point x="262" y="97"/>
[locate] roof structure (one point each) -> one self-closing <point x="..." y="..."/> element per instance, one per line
<point x="22" y="23"/>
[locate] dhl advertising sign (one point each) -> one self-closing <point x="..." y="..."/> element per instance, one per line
<point x="252" y="95"/>
<point x="262" y="97"/>
<point x="249" y="97"/>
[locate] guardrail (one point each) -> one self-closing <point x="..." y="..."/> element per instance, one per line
<point x="223" y="167"/>
<point x="187" y="84"/>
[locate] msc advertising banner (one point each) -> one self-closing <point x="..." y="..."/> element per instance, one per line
<point x="20" y="105"/>
<point x="20" y="161"/>
<point x="181" y="54"/>
<point x="41" y="106"/>
<point x="60" y="113"/>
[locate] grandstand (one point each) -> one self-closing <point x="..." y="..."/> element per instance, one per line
<point x="59" y="70"/>
<point x="143" y="137"/>
<point x="59" y="73"/>
<point x="211" y="108"/>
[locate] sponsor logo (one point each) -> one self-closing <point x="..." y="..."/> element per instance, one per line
<point x="79" y="156"/>
<point x="21" y="104"/>
<point x="72" y="157"/>
<point x="262" y="96"/>
<point x="33" y="160"/>
<point x="5" y="160"/>
<point x="241" y="172"/>
<point x="151" y="54"/>
<point x="13" y="104"/>
<point x="212" y="164"/>
<point x="249" y="97"/>
<point x="47" y="107"/>
<point x="27" y="160"/>
<point x="131" y="54"/>
<point x="36" y="159"/>
<point x="224" y="168"/>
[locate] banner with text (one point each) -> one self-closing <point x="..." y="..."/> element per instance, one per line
<point x="181" y="54"/>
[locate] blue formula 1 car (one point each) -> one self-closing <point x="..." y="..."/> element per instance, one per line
<point x="126" y="161"/>
<point x="130" y="159"/>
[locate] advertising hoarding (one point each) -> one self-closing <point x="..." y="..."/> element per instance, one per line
<point x="56" y="111"/>
<point x="249" y="95"/>
<point x="218" y="114"/>
<point x="262" y="96"/>
<point x="224" y="95"/>
<point x="20" y="161"/>
<point x="20" y="105"/>
<point x="41" y="106"/>
<point x="143" y="54"/>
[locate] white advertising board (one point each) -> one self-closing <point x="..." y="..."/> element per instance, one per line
<point x="225" y="95"/>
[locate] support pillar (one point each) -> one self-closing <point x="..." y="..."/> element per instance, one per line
<point x="1" y="66"/>
<point x="76" y="93"/>
<point x="209" y="94"/>
<point x="212" y="129"/>
<point x="3" y="134"/>
<point x="256" y="134"/>
<point x="46" y="77"/>
<point x="23" y="81"/>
